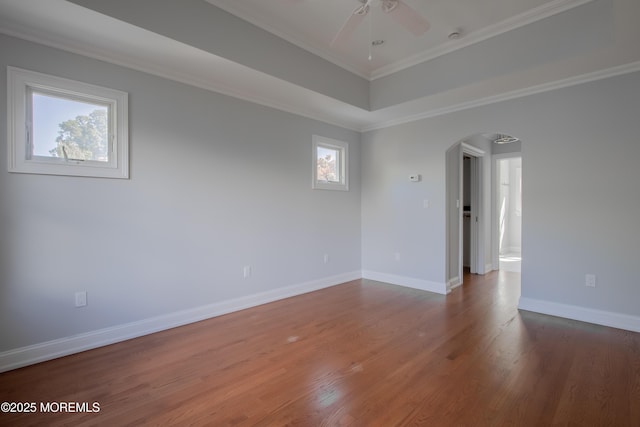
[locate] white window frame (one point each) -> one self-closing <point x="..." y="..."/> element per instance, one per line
<point x="343" y="167"/>
<point x="20" y="86"/>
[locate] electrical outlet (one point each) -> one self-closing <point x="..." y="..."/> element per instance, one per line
<point x="246" y="271"/>
<point x="326" y="258"/>
<point x="81" y="299"/>
<point x="590" y="280"/>
<point x="397" y="256"/>
<point x="425" y="203"/>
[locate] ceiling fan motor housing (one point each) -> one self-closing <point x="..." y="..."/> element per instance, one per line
<point x="403" y="14"/>
<point x="362" y="10"/>
<point x="389" y="5"/>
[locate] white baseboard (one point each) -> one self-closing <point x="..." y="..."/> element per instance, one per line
<point x="16" y="358"/>
<point x="453" y="283"/>
<point x="409" y="282"/>
<point x="584" y="314"/>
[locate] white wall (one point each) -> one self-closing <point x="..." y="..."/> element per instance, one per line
<point x="216" y="184"/>
<point x="509" y="187"/>
<point x="580" y="149"/>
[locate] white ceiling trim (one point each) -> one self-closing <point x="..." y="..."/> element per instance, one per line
<point x="343" y="115"/>
<point x="245" y="16"/>
<point x="506" y="96"/>
<point x="81" y="31"/>
<point x="533" y="15"/>
<point x="190" y="80"/>
<point x="232" y="79"/>
<point x="528" y="17"/>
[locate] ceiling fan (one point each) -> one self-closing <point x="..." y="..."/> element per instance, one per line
<point x="397" y="9"/>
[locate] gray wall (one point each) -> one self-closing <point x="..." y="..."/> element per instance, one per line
<point x="582" y="30"/>
<point x="513" y="147"/>
<point x="452" y="186"/>
<point x="394" y="219"/>
<point x="216" y="184"/>
<point x="580" y="198"/>
<point x="207" y="27"/>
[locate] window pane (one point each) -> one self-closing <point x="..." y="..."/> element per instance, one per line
<point x="68" y="128"/>
<point x="328" y="164"/>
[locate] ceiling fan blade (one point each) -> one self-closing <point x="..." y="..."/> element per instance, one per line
<point x="409" y="18"/>
<point x="350" y="26"/>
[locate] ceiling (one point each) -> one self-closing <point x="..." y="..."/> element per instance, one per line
<point x="312" y="25"/>
<point x="594" y="41"/>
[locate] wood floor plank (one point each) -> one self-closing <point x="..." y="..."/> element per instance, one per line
<point x="359" y="354"/>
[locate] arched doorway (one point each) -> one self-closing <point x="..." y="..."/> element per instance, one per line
<point x="473" y="227"/>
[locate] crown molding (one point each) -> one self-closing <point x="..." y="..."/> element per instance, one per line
<point x="240" y="12"/>
<point x="134" y="64"/>
<point x="546" y="10"/>
<point x="241" y="82"/>
<point x="528" y="17"/>
<point x="506" y="96"/>
<point x="364" y="125"/>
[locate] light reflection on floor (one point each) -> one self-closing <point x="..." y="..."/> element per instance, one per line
<point x="510" y="262"/>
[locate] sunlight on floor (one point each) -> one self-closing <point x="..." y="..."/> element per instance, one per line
<point x="510" y="262"/>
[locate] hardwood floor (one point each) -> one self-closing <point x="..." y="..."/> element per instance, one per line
<point x="363" y="354"/>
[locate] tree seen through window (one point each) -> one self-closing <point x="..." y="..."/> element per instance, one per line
<point x="328" y="162"/>
<point x="83" y="138"/>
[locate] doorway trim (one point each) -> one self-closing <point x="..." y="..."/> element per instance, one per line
<point x="477" y="234"/>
